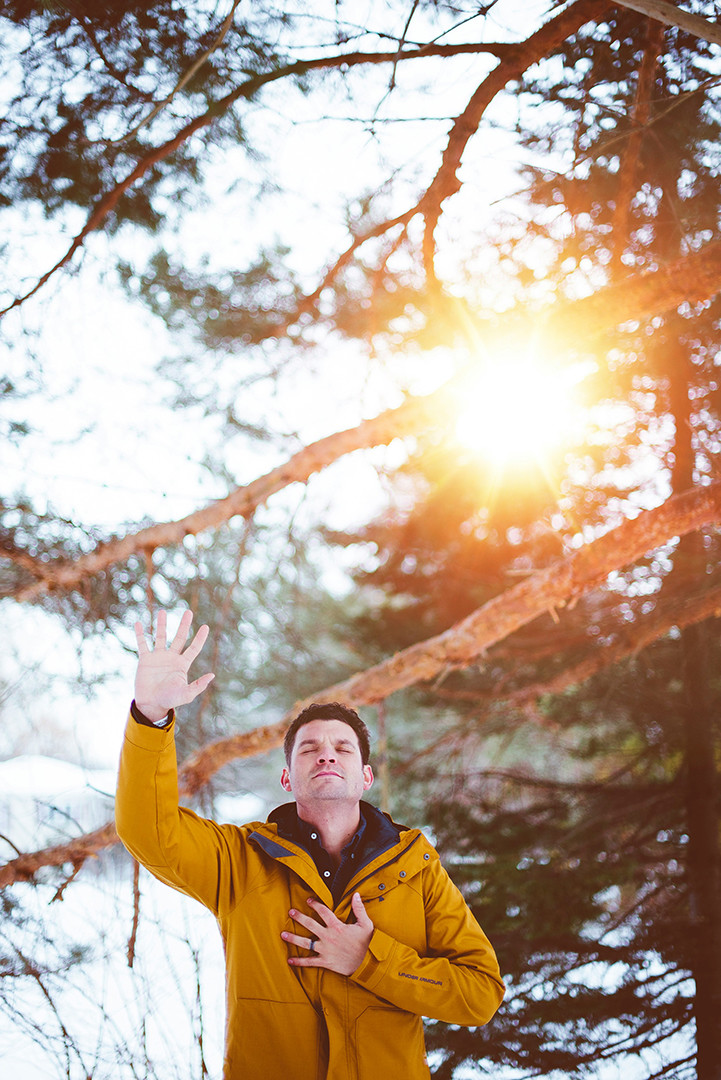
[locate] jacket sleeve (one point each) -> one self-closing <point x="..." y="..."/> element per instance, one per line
<point x="458" y="981"/>
<point x="192" y="854"/>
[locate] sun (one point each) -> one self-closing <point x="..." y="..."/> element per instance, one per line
<point x="519" y="411"/>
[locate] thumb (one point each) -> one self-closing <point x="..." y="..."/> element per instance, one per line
<point x="362" y="917"/>
<point x="197" y="687"/>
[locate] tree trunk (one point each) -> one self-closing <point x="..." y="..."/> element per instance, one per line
<point x="703" y="867"/>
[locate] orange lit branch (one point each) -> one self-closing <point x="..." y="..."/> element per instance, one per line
<point x="415" y="413"/>
<point x="639" y="634"/>
<point x="694" y="278"/>
<point x="520" y="57"/>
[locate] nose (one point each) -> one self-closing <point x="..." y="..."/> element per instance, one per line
<point x="325" y="756"/>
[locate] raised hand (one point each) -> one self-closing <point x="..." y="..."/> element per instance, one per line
<point x="161" y="681"/>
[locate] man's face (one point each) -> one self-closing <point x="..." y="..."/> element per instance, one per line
<point x="326" y="764"/>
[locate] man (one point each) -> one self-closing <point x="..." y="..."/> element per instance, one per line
<point x="341" y="929"/>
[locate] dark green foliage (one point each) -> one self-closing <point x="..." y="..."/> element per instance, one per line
<point x="105" y="599"/>
<point x="581" y="886"/>
<point x="237" y="309"/>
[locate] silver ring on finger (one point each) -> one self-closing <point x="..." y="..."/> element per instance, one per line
<point x="311" y="945"/>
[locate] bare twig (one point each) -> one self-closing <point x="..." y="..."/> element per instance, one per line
<point x="184" y="79"/>
<point x="136" y="913"/>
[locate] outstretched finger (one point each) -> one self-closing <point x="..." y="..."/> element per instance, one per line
<point x="140" y="638"/>
<point x="181" y="635"/>
<point x="196" y="644"/>
<point x="160" y="638"/>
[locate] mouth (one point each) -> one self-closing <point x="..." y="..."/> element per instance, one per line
<point x="327" y="772"/>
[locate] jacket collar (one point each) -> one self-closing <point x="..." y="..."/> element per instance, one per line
<point x="387" y="842"/>
<point x="377" y="831"/>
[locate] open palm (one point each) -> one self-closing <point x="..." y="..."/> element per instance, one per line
<point x="161" y="681"/>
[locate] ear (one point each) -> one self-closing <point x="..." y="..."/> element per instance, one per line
<point x="367" y="777"/>
<point x="285" y="780"/>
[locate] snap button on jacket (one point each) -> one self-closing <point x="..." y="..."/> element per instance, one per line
<point x="427" y="957"/>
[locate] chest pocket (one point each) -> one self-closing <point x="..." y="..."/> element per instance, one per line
<point x="394" y="903"/>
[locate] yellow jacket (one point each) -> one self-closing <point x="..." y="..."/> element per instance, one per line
<point x="427" y="957"/>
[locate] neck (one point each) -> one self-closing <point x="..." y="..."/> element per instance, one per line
<point x="335" y="824"/>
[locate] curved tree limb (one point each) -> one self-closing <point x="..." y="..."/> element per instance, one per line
<point x="640" y="634"/>
<point x="637" y="636"/>
<point x="561" y="583"/>
<point x="413" y="414"/>
<point x="518" y="59"/>
<point x="694" y="278"/>
<point x="74" y="853"/>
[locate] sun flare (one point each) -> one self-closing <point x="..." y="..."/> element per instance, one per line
<point x="518" y="411"/>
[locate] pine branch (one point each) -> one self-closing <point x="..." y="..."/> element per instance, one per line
<point x="246" y="90"/>
<point x="519" y="58"/>
<point x="694" y="278"/>
<point x="642" y="633"/>
<point x="559" y="584"/>
<point x="74" y="852"/>
<point x="413" y="414"/>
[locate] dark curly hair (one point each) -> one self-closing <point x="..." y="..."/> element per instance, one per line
<point x="333" y="710"/>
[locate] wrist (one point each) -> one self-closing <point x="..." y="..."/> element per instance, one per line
<point x="148" y="713"/>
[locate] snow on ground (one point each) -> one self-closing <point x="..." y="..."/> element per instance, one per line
<point x="98" y="1017"/>
<point x="107" y="1019"/>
